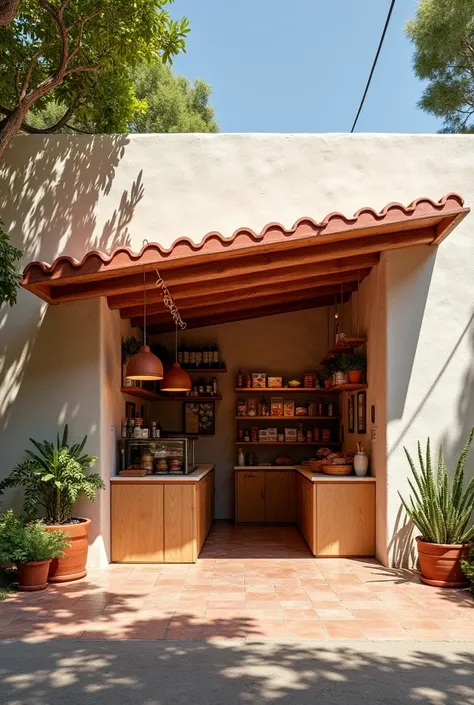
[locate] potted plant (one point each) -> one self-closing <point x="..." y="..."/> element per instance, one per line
<point x="31" y="547"/>
<point x="441" y="511"/>
<point x="329" y="370"/>
<point x="130" y="347"/>
<point x="468" y="569"/>
<point x="53" y="479"/>
<point x="354" y="365"/>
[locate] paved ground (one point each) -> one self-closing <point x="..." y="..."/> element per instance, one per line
<point x="249" y="584"/>
<point x="235" y="673"/>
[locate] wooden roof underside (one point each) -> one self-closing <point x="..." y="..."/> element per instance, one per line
<point x="248" y="275"/>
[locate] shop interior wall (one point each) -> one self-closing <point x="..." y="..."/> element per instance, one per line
<point x="368" y="318"/>
<point x="287" y="344"/>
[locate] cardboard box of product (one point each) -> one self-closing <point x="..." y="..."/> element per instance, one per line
<point x="290" y="435"/>
<point x="272" y="434"/>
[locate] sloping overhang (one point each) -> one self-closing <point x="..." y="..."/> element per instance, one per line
<point x="249" y="274"/>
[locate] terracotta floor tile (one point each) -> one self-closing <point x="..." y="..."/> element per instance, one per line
<point x="305" y="630"/>
<point x="334" y="614"/>
<point x="343" y="630"/>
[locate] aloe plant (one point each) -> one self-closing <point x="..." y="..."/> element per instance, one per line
<point x="441" y="510"/>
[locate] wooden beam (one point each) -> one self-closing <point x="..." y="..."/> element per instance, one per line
<point x="235" y="283"/>
<point x="245" y="314"/>
<point x="247" y="302"/>
<point x="315" y="250"/>
<point x="199" y="299"/>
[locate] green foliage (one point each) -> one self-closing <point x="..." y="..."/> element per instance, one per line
<point x="330" y="367"/>
<point x="130" y="347"/>
<point x="441" y="510"/>
<point x="353" y="361"/>
<point x="165" y="103"/>
<point x="443" y="34"/>
<point x="468" y="569"/>
<point x="8" y="583"/>
<point x="9" y="275"/>
<point x="22" y="542"/>
<point x="54" y="478"/>
<point x="80" y="54"/>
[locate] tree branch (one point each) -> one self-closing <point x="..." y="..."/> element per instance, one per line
<point x="26" y="127"/>
<point x="8" y="11"/>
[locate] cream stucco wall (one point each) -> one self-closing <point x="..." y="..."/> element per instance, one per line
<point x="63" y="194"/>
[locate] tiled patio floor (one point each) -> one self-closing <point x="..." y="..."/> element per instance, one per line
<point x="249" y="583"/>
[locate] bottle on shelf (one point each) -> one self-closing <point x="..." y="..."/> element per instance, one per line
<point x="214" y="386"/>
<point x="240" y="380"/>
<point x="185" y="356"/>
<point x="205" y="356"/>
<point x="192" y="357"/>
<point x="241" y="458"/>
<point x="300" y="434"/>
<point x="330" y="409"/>
<point x="246" y="435"/>
<point x="125" y="428"/>
<point x="180" y="356"/>
<point x="215" y="355"/>
<point x="199" y="356"/>
<point x="209" y="387"/>
<point x="321" y="408"/>
<point x="248" y="380"/>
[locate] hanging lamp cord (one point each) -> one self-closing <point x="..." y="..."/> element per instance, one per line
<point x="144" y="307"/>
<point x="169" y="302"/>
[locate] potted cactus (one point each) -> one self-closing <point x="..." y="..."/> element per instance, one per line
<point x="31" y="547"/>
<point x="441" y="511"/>
<point x="53" y="479"/>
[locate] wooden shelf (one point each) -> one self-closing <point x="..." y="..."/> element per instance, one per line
<point x="287" y="443"/>
<point x="152" y="396"/>
<point x="339" y="388"/>
<point x="204" y="370"/>
<point x="345" y="345"/>
<point x="183" y="397"/>
<point x="288" y="418"/>
<point x="277" y="390"/>
<point x="140" y="393"/>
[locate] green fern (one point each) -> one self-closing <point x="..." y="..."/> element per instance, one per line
<point x="441" y="512"/>
<point x="53" y="478"/>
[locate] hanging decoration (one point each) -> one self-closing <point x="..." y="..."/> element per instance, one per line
<point x="176" y="379"/>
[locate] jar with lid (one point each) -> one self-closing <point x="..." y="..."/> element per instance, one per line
<point x="137" y="431"/>
<point x="241" y="407"/>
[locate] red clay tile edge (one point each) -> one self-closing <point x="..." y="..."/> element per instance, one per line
<point x="214" y="242"/>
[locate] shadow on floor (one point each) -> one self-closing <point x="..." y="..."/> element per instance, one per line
<point x="212" y="673"/>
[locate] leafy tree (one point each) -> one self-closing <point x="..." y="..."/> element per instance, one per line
<point x="80" y="53"/>
<point x="165" y="103"/>
<point x="443" y="34"/>
<point x="9" y="276"/>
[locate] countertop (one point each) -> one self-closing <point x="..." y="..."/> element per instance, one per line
<point x="201" y="471"/>
<point x="313" y="476"/>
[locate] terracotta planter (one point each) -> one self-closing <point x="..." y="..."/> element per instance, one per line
<point x="354" y="376"/>
<point x="441" y="563"/>
<point x="73" y="565"/>
<point x="33" y="575"/>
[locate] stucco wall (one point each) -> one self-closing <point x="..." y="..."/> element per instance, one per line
<point x="63" y="194"/>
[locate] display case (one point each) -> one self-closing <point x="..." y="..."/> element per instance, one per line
<point x="157" y="456"/>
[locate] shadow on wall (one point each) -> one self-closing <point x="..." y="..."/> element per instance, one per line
<point x="214" y="672"/>
<point x="49" y="190"/>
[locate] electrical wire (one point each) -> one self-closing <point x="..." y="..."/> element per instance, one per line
<point x="387" y="22"/>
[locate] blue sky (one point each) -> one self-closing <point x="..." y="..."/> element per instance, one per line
<point x="301" y="65"/>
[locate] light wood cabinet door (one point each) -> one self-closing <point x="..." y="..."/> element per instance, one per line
<point x="210" y="501"/>
<point x="250" y="497"/>
<point x="279" y="496"/>
<point x="345" y="519"/>
<point x="309" y="518"/>
<point x="181" y="523"/>
<point x="137" y="523"/>
<point x="299" y="501"/>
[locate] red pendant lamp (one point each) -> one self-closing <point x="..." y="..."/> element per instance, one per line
<point x="144" y="365"/>
<point x="176" y="379"/>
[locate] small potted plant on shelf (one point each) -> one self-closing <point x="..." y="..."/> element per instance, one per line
<point x="30" y="547"/>
<point x="330" y="368"/>
<point x="53" y="479"/>
<point x="130" y="347"/>
<point x="441" y="511"/>
<point x="354" y="365"/>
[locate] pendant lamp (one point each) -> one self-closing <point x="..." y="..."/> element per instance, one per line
<point x="176" y="379"/>
<point x="144" y="365"/>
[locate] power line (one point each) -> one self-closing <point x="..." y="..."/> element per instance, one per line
<point x="387" y="22"/>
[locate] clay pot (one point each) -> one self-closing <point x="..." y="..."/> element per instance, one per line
<point x="73" y="564"/>
<point x="354" y="376"/>
<point x="441" y="563"/>
<point x="33" y="575"/>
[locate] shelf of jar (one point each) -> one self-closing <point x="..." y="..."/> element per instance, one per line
<point x="288" y="418"/>
<point x="287" y="443"/>
<point x="345" y="345"/>
<point x="204" y="370"/>
<point x="340" y="388"/>
<point x="336" y="389"/>
<point x="152" y="396"/>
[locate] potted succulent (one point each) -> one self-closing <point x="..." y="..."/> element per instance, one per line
<point x="31" y="547"/>
<point x="354" y="365"/>
<point x="130" y="347"/>
<point x="53" y="479"/>
<point x="441" y="511"/>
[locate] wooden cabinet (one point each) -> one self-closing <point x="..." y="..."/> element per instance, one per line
<point x="279" y="497"/>
<point x="250" y="496"/>
<point x="205" y="508"/>
<point x="345" y="519"/>
<point x="309" y="517"/>
<point x="137" y="523"/>
<point x="179" y="523"/>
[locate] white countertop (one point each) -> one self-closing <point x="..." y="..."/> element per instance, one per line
<point x="201" y="471"/>
<point x="313" y="476"/>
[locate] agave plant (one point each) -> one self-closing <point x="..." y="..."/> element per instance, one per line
<point x="441" y="510"/>
<point x="53" y="478"/>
